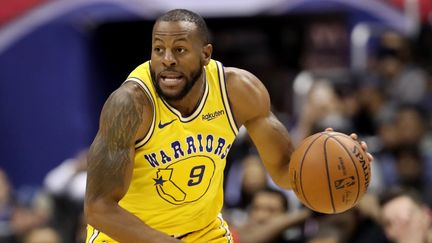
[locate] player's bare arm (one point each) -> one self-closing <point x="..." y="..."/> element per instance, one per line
<point x="251" y="106"/>
<point x="125" y="118"/>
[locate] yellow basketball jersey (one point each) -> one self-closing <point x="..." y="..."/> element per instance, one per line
<point x="177" y="182"/>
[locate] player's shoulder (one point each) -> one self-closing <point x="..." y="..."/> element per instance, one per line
<point x="241" y="80"/>
<point x="129" y="104"/>
<point x="128" y="96"/>
<point x="245" y="90"/>
<point x="130" y="90"/>
<point x="240" y="76"/>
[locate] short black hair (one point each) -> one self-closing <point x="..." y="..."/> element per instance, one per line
<point x="396" y="192"/>
<point x="280" y="194"/>
<point x="418" y="109"/>
<point x="176" y="15"/>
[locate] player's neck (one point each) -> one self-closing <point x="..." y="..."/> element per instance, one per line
<point x="188" y="104"/>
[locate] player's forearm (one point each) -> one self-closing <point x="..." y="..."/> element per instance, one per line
<point x="274" y="146"/>
<point x="278" y="171"/>
<point x="121" y="225"/>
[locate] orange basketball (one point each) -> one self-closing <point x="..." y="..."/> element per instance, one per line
<point x="329" y="172"/>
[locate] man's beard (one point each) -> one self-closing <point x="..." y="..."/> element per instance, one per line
<point x="188" y="86"/>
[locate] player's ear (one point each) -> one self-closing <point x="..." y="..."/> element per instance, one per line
<point x="206" y="53"/>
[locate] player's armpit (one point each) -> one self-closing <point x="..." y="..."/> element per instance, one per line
<point x="250" y="103"/>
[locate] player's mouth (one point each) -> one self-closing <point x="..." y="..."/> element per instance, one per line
<point x="170" y="79"/>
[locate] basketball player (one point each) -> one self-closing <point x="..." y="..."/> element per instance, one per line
<point x="155" y="168"/>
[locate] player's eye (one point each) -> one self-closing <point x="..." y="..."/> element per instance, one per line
<point x="158" y="50"/>
<point x="180" y="50"/>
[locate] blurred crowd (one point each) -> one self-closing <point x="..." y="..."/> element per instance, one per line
<point x="388" y="105"/>
<point x="51" y="213"/>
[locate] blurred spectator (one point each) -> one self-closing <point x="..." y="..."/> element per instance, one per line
<point x="269" y="220"/>
<point x="402" y="80"/>
<point x="66" y="184"/>
<point x="21" y="210"/>
<point x="371" y="108"/>
<point x="69" y="178"/>
<point x="393" y="79"/>
<point x="405" y="217"/>
<point x="410" y="167"/>
<point x="322" y="108"/>
<point x="357" y="225"/>
<point x="33" y="209"/>
<point x="387" y="132"/>
<point x="43" y="234"/>
<point x="405" y="158"/>
<point x="244" y="179"/>
<point x="411" y="125"/>
<point x="6" y="208"/>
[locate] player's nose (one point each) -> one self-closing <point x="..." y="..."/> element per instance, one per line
<point x="169" y="59"/>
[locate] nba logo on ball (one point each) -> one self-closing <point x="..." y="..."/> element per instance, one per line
<point x="329" y="172"/>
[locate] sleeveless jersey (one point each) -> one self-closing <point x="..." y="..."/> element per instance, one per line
<point x="177" y="181"/>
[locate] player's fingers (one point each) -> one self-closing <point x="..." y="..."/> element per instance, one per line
<point x="370" y="157"/>
<point x="364" y="145"/>
<point x="354" y="136"/>
<point x="365" y="148"/>
<point x="329" y="129"/>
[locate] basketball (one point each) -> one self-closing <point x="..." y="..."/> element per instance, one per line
<point x="329" y="172"/>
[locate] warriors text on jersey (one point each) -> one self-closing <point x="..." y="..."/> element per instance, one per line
<point x="176" y="186"/>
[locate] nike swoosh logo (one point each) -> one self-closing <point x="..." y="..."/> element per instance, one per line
<point x="162" y="125"/>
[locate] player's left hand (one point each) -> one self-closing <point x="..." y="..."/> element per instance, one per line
<point x="362" y="143"/>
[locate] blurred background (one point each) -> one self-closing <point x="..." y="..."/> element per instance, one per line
<point x="357" y="66"/>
